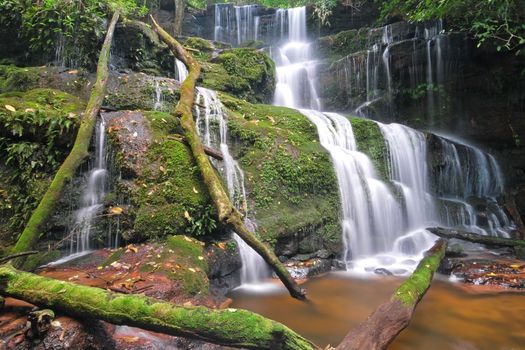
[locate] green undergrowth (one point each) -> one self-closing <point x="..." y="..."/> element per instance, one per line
<point x="290" y="176"/>
<point x="37" y="129"/>
<point x="13" y="78"/>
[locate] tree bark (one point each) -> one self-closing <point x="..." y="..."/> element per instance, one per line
<point x="390" y="318"/>
<point x="475" y="238"/>
<point x="228" y="215"/>
<point x="230" y="327"/>
<point x="79" y="152"/>
<point x="180" y="9"/>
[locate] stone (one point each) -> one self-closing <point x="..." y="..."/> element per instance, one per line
<point x="383" y="272"/>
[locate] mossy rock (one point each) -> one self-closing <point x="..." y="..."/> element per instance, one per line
<point x="13" y="78"/>
<point x="290" y="177"/>
<point x="137" y="91"/>
<point x="37" y="129"/>
<point x="371" y="142"/>
<point x="339" y="45"/>
<point x="165" y="188"/>
<point x="246" y="73"/>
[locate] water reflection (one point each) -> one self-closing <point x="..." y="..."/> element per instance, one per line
<point x="449" y="317"/>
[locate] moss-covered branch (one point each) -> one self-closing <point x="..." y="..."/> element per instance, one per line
<point x="33" y="230"/>
<point x="475" y="238"/>
<point x="228" y="215"/>
<point x="230" y="327"/>
<point x="390" y="318"/>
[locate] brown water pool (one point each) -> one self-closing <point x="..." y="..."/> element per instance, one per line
<point x="451" y="316"/>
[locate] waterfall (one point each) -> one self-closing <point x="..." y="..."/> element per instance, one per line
<point x="212" y="126"/>
<point x="408" y="171"/>
<point x="384" y="219"/>
<point x="91" y="201"/>
<point x="295" y="67"/>
<point x="181" y="72"/>
<point x="158" y="96"/>
<point x="238" y="25"/>
<point x="371" y="215"/>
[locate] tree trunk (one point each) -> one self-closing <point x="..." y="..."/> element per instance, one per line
<point x="475" y="238"/>
<point x="79" y="152"/>
<point x="179" y="17"/>
<point x="390" y="318"/>
<point x="228" y="215"/>
<point x="230" y="327"/>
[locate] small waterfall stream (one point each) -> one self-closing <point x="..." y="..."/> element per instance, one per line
<point x="181" y="72"/>
<point x="212" y="125"/>
<point x="92" y="195"/>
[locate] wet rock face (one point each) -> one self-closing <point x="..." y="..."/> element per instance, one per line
<point x="224" y="266"/>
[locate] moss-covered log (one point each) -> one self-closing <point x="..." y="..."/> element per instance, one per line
<point x="79" y="152"/>
<point x="475" y="238"/>
<point x="230" y="327"/>
<point x="228" y="215"/>
<point x="390" y="318"/>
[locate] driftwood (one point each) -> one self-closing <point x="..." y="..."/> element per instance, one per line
<point x="228" y="215"/>
<point x="390" y="318"/>
<point x="33" y="230"/>
<point x="449" y="233"/>
<point x="230" y="327"/>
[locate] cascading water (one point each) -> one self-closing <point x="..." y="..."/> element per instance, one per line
<point x="384" y="220"/>
<point x="92" y="196"/>
<point x="181" y="71"/>
<point x="238" y="25"/>
<point x="212" y="126"/>
<point x="296" y="85"/>
<point x="158" y="96"/>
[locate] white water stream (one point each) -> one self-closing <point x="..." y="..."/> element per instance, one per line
<point x="211" y="120"/>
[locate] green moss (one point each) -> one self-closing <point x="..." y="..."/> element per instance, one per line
<point x="187" y="257"/>
<point x="137" y="92"/>
<point x="371" y="142"/>
<point x="13" y="78"/>
<point x="34" y="261"/>
<point x="239" y="328"/>
<point x="169" y="185"/>
<point x="243" y="72"/>
<point x="34" y="140"/>
<point x="290" y="176"/>
<point x="417" y="284"/>
<point x="162" y="124"/>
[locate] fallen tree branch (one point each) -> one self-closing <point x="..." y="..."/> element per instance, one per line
<point x="228" y="215"/>
<point x="33" y="230"/>
<point x="390" y="318"/>
<point x="208" y="150"/>
<point x="230" y="327"/>
<point x="17" y="255"/>
<point x="475" y="238"/>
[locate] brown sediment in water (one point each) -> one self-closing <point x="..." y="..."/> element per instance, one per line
<point x="451" y="316"/>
